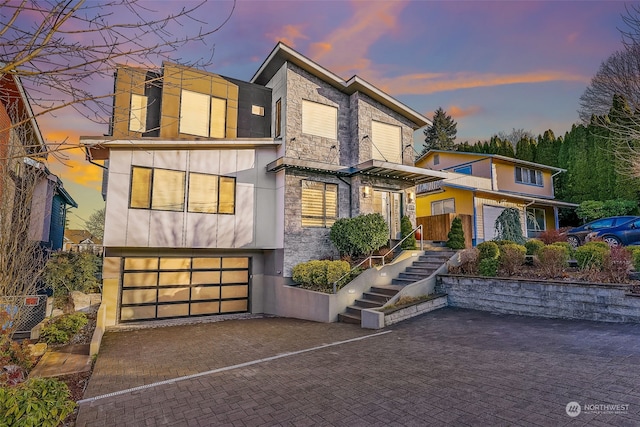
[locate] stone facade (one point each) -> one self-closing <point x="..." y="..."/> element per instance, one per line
<point x="589" y="301"/>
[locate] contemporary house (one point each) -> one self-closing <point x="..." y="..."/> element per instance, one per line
<point x="215" y="187"/>
<point x="481" y="186"/>
<point x="28" y="189"/>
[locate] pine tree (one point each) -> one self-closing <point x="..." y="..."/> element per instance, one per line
<point x="456" y="235"/>
<point x="442" y="132"/>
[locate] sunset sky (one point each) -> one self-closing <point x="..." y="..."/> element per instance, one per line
<point x="493" y="66"/>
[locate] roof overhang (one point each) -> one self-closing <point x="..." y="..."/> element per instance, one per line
<point x="282" y="54"/>
<point x="539" y="201"/>
<point x="98" y="148"/>
<point x="373" y="168"/>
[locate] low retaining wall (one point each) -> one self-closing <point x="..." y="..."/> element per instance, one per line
<point x="570" y="300"/>
<point x="378" y="319"/>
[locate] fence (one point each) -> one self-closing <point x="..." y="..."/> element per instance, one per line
<point x="29" y="309"/>
<point x="436" y="227"/>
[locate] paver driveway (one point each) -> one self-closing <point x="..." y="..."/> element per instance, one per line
<point x="448" y="367"/>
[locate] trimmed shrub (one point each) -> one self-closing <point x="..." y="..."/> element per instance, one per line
<point x="617" y="264"/>
<point x="360" y="235"/>
<point x="567" y="246"/>
<point x="511" y="258"/>
<point x="635" y="256"/>
<point x="320" y="274"/>
<point x="501" y="243"/>
<point x="552" y="236"/>
<point x="552" y="260"/>
<point x="591" y="255"/>
<point x="533" y="246"/>
<point x="455" y="238"/>
<point x="36" y="402"/>
<point x="488" y="250"/>
<point x="469" y="259"/>
<point x="488" y="267"/>
<point x="406" y="229"/>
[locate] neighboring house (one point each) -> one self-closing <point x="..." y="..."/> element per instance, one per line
<point x="81" y="241"/>
<point x="22" y="153"/>
<point x="483" y="185"/>
<point x="216" y="188"/>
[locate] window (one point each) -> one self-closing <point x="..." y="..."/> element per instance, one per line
<point x="387" y="141"/>
<point x="257" y="110"/>
<point x="138" y="113"/>
<point x="319" y="119"/>
<point x="319" y="204"/>
<point x="202" y="115"/>
<point x="535" y="220"/>
<point x="443" y="207"/>
<point x="211" y="194"/>
<point x="463" y="169"/>
<point x="163" y="189"/>
<point x="278" y="124"/>
<point x="529" y="176"/>
<point x="436" y="159"/>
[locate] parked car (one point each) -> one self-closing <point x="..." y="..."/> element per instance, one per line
<point x="624" y="234"/>
<point x="576" y="236"/>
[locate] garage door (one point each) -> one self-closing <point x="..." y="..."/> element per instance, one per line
<point x="489" y="216"/>
<point x="166" y="287"/>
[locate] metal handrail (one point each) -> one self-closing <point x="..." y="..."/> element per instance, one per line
<point x="372" y="257"/>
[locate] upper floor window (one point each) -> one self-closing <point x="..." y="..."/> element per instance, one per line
<point x="138" y="113"/>
<point x="436" y="159"/>
<point x="529" y="176"/>
<point x="319" y="204"/>
<point x="386" y="142"/>
<point x="278" y="124"/>
<point x="443" y="206"/>
<point x="463" y="169"/>
<point x="164" y="189"/>
<point x="319" y="119"/>
<point x="202" y="115"/>
<point x="257" y="110"/>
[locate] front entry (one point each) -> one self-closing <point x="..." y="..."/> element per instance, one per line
<point x="388" y="204"/>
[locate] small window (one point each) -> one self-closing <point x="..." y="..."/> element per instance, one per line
<point x="138" y="113"/>
<point x="141" y="188"/>
<point x="278" y="124"/>
<point x="257" y="110"/>
<point x="319" y="204"/>
<point x="443" y="206"/>
<point x="436" y="159"/>
<point x="464" y="169"/>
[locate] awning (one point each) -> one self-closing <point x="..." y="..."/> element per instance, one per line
<point x="518" y="196"/>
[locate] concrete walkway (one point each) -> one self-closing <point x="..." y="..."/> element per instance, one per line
<point x="449" y="367"/>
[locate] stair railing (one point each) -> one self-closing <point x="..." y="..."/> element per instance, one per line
<point x="372" y="257"/>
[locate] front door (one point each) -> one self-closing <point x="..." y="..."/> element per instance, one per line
<point x="387" y="204"/>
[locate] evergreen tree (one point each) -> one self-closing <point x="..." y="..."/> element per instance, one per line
<point x="442" y="132"/>
<point x="456" y="235"/>
<point x="526" y="149"/>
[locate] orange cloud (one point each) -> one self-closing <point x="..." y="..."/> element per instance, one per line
<point x="423" y="84"/>
<point x="458" y="112"/>
<point x="288" y="35"/>
<point x="71" y="166"/>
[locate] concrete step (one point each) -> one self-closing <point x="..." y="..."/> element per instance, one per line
<point x="413" y="276"/>
<point x="425" y="271"/>
<point x="373" y="296"/>
<point x="365" y="303"/>
<point x="349" y="318"/>
<point x="386" y="290"/>
<point x="403" y="282"/>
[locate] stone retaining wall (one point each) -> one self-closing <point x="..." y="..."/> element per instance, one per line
<point x="589" y="301"/>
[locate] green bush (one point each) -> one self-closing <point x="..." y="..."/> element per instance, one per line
<point x="360" y="235"/>
<point x="406" y="229"/>
<point x="509" y="227"/>
<point x="590" y="210"/>
<point x="511" y="258"/>
<point x="533" y="246"/>
<point x="72" y="271"/>
<point x="635" y="256"/>
<point x="61" y="329"/>
<point x="13" y="352"/>
<point x="455" y="238"/>
<point x="320" y="274"/>
<point x="488" y="267"/>
<point x="37" y="402"/>
<point x="488" y="250"/>
<point x="591" y="255"/>
<point x="567" y="247"/>
<point x="552" y="260"/>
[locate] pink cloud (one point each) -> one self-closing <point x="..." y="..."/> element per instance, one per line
<point x="458" y="112"/>
<point x="288" y="34"/>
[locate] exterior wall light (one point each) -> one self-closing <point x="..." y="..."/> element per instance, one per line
<point x="365" y="191"/>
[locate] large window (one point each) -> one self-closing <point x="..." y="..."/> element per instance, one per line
<point x="387" y="141"/>
<point x="319" y="119"/>
<point x="443" y="206"/>
<point x="163" y="189"/>
<point x="319" y="204"/>
<point x="535" y="220"/>
<point x="202" y="115"/>
<point x="529" y="176"/>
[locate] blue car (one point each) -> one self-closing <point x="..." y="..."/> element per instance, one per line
<point x="625" y="234"/>
<point x="576" y="236"/>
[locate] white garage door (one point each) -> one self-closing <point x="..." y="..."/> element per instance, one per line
<point x="166" y="287"/>
<point x="489" y="216"/>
